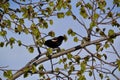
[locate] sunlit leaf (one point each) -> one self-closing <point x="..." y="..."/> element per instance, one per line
<point x="25" y="30"/>
<point x="33" y="69"/>
<point x="95" y="16"/>
<point x="118" y="63"/>
<point x="65" y="66"/>
<point x="69" y="56"/>
<point x="8" y="74"/>
<point x="111" y="32"/>
<point x="51" y="33"/>
<point x="19" y="28"/>
<point x="49" y="52"/>
<point x="68" y="13"/>
<point x="83" y="12"/>
<point x="57" y="69"/>
<point x="92" y="24"/>
<point x="102" y="4"/>
<point x="21" y="21"/>
<point x="76" y="39"/>
<point x="31" y="49"/>
<point x="106" y="45"/>
<point x="60" y="15"/>
<point x="3" y="33"/>
<point x="51" y="22"/>
<point x="78" y="4"/>
<point x="83" y="66"/>
<point x="88" y="5"/>
<point x="51" y="3"/>
<point x="71" y="32"/>
<point x="13" y="16"/>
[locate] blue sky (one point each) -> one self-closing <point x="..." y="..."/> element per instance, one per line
<point x="17" y="57"/>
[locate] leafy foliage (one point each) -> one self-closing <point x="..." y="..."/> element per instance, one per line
<point x="93" y="23"/>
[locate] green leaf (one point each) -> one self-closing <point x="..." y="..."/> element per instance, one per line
<point x="25" y="30"/>
<point x="78" y="4"/>
<point x="81" y="77"/>
<point x="77" y="58"/>
<point x="102" y="33"/>
<point x="51" y="22"/>
<point x="118" y="14"/>
<point x="3" y="33"/>
<point x="102" y="4"/>
<point x="65" y="38"/>
<point x="19" y="28"/>
<point x="105" y="56"/>
<point x="90" y="73"/>
<point x="101" y="75"/>
<point x="88" y="5"/>
<point x="21" y="21"/>
<point x="19" y="43"/>
<point x="41" y="67"/>
<point x="86" y="58"/>
<point x="57" y="69"/>
<point x="92" y="24"/>
<point x="1" y="44"/>
<point x="76" y="39"/>
<point x="49" y="52"/>
<point x="8" y="74"/>
<point x="95" y="16"/>
<point x="72" y="68"/>
<point x="111" y="32"/>
<point x="83" y="12"/>
<point x="68" y="13"/>
<point x="64" y="60"/>
<point x="98" y="45"/>
<point x="51" y="33"/>
<point x="118" y="63"/>
<point x="83" y="66"/>
<point x="69" y="56"/>
<point x="69" y="72"/>
<point x="60" y="15"/>
<point x="33" y="69"/>
<point x="70" y="32"/>
<point x="25" y="74"/>
<point x="51" y="3"/>
<point x="65" y="66"/>
<point x="12" y="40"/>
<point x="99" y="56"/>
<point x="45" y="24"/>
<point x="13" y="16"/>
<point x="106" y="45"/>
<point x="110" y="14"/>
<point x="31" y="49"/>
<point x="97" y="29"/>
<point x="117" y="2"/>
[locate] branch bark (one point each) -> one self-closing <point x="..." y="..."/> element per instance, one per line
<point x="21" y="71"/>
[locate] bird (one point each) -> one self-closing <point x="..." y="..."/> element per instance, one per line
<point x="54" y="42"/>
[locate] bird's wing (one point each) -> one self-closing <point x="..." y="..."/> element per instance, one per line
<point x="54" y="39"/>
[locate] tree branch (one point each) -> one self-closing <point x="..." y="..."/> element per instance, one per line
<point x="21" y="71"/>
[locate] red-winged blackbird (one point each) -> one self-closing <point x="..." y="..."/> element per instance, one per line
<point x="55" y="42"/>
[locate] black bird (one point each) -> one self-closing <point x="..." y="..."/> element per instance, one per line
<point x="55" y="42"/>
